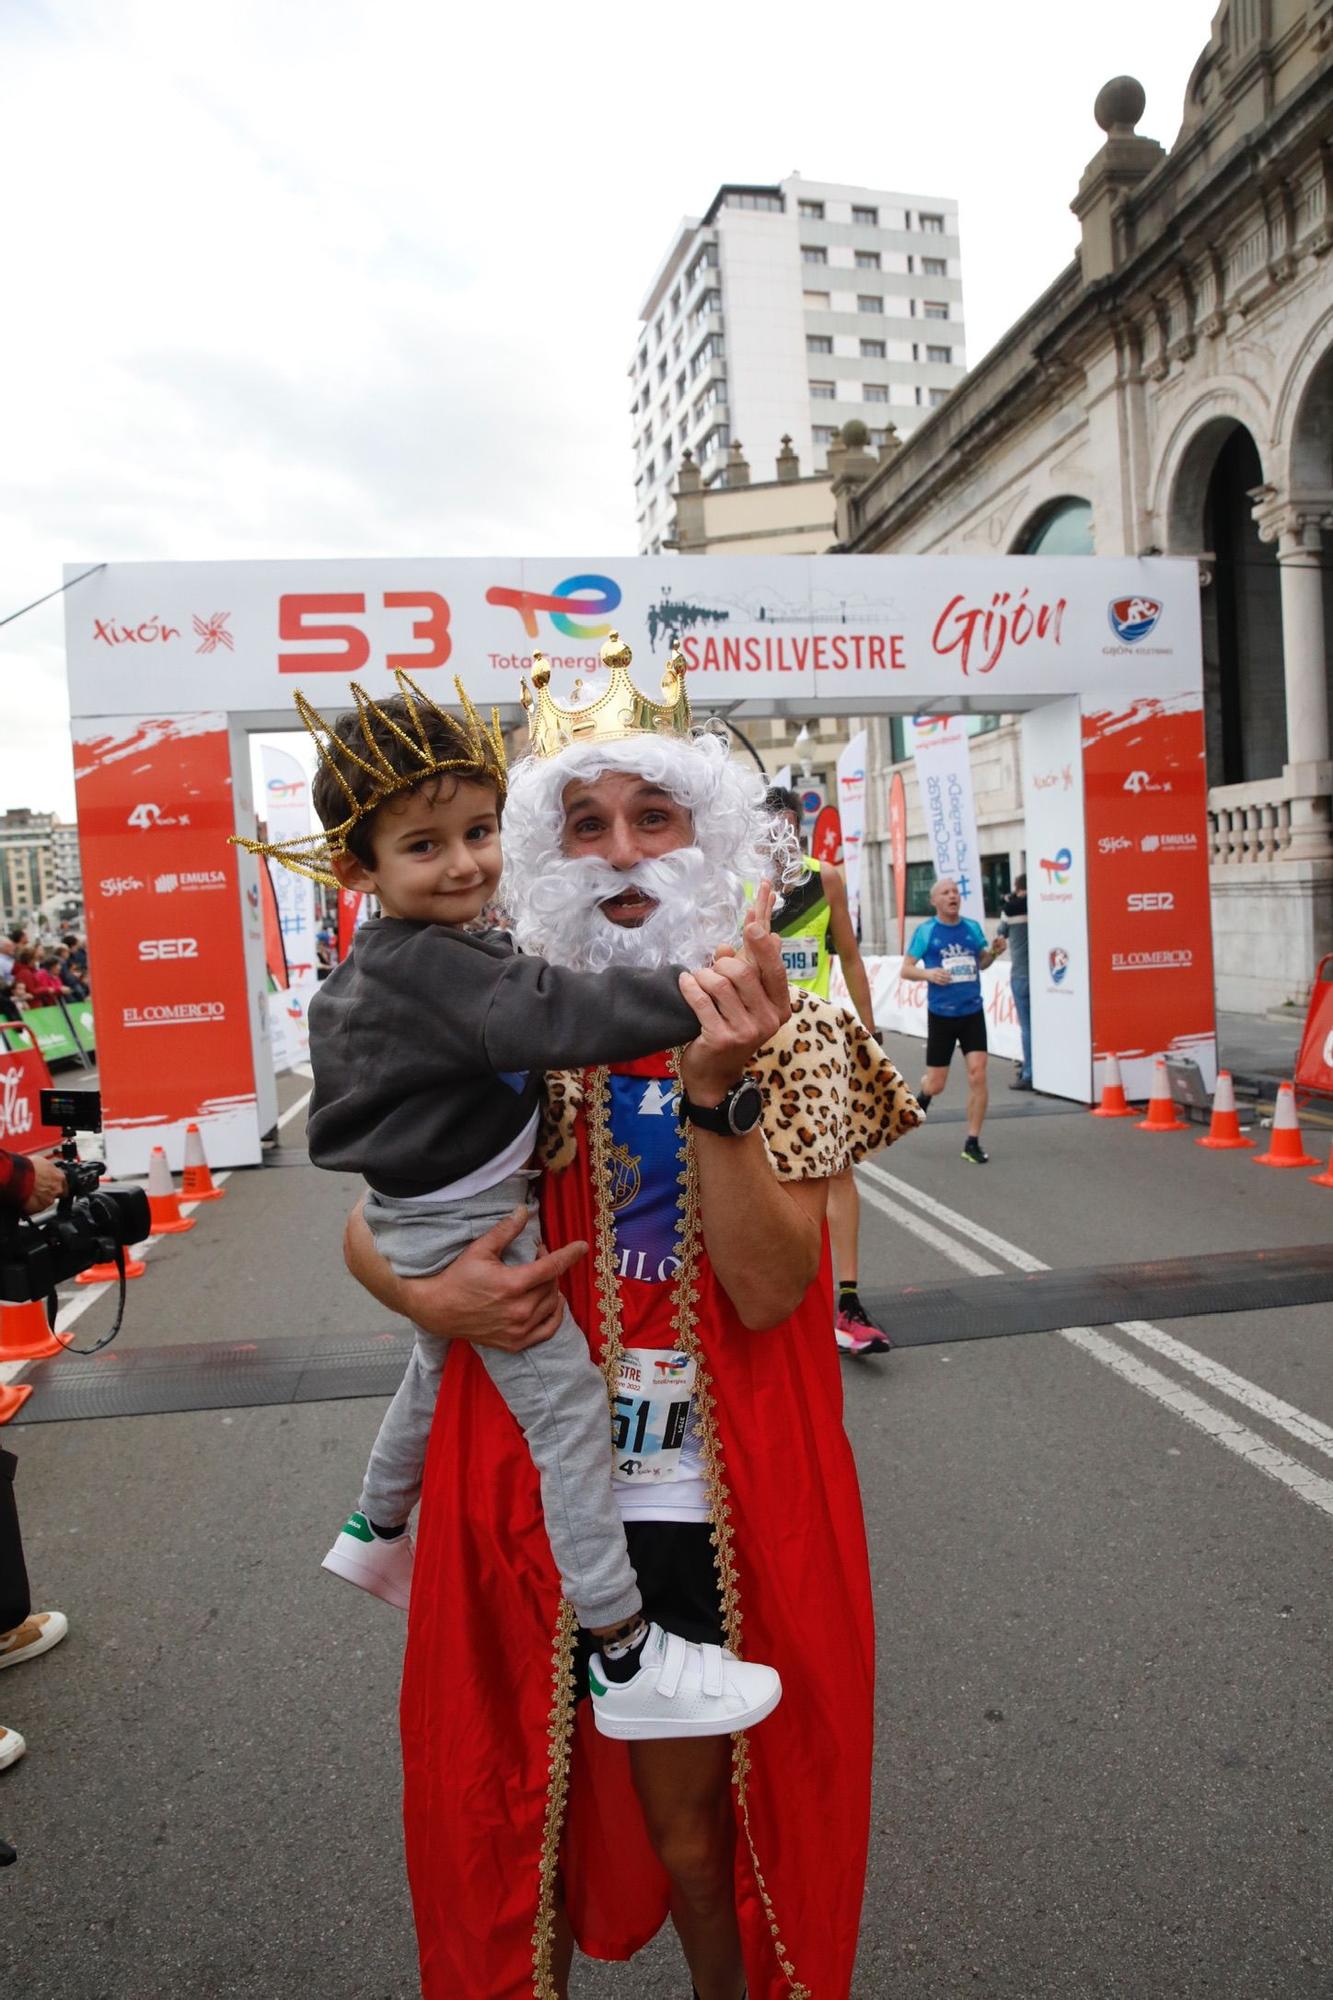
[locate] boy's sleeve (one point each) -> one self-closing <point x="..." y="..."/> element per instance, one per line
<point x="544" y="1017"/>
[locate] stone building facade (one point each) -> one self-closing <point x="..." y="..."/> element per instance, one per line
<point x="1172" y="392"/>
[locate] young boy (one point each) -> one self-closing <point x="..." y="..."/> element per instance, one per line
<point x="428" y="1044"/>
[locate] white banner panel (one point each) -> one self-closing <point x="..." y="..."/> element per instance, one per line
<point x="834" y="632"/>
<point x="852" y="811"/>
<point x="287" y="811"/>
<point x="944" y="775"/>
<point x="900" y="1004"/>
<point x="1057" y="901"/>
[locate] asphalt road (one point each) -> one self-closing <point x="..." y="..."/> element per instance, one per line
<point x="1102" y="1592"/>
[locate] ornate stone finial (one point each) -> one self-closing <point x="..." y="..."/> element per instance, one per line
<point x="1119" y="106"/>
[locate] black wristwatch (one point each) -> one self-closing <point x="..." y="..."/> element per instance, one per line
<point x="737" y="1114"/>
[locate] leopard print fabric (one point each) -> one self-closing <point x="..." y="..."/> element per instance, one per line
<point x="831" y="1096"/>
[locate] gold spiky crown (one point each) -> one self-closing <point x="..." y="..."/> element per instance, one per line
<point x="480" y="751"/>
<point x="614" y="712"/>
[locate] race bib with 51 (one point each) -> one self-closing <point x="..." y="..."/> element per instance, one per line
<point x="800" y="957"/>
<point x="650" y="1414"/>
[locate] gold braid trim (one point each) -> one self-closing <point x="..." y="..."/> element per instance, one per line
<point x="684" y="1322"/>
<point x="559" y="1743"/>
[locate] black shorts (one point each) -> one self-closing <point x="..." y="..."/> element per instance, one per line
<point x="945" y="1032"/>
<point x="678" y="1579"/>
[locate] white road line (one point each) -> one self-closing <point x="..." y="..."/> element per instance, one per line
<point x="293" y="1110"/>
<point x="1299" y="1424"/>
<point x="1222" y="1428"/>
<point x="88" y="1295"/>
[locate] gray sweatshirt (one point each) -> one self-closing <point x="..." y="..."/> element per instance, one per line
<point x="428" y="1046"/>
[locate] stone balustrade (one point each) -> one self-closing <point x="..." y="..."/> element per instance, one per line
<point x="1249" y="822"/>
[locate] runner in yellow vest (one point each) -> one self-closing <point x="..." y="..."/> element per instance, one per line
<point x="815" y="924"/>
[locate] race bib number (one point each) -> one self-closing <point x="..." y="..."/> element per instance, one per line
<point x="800" y="957"/>
<point x="650" y="1414"/>
<point x="961" y="970"/>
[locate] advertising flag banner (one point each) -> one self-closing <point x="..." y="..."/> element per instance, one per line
<point x="852" y="812"/>
<point x="826" y="840"/>
<point x="1058" y="974"/>
<point x="944" y="775"/>
<point x="898" y="854"/>
<point x="353" y="909"/>
<point x="287" y="810"/>
<point x="23" y="1077"/>
<point x="53" y="1033"/>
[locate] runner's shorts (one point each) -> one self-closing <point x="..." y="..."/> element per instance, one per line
<point x="945" y="1032"/>
<point x="677" y="1574"/>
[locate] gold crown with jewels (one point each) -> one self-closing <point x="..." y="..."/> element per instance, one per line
<point x="612" y="713"/>
<point x="479" y="749"/>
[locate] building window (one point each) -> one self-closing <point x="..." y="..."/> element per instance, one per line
<point x="933" y="225"/>
<point x="919" y="398"/>
<point x="935" y="309"/>
<point x="682" y="436"/>
<point x="747" y="198"/>
<point x="1062" y="529"/>
<point x="823" y="433"/>
<point x="822" y="392"/>
<point x="657" y="327"/>
<point x="662" y="369"/>
<point x="710" y="350"/>
<point x="911" y="264"/>
<point x="869" y="302"/>
<point x="816" y="301"/>
<point x="643" y="359"/>
<point x="907" y="218"/>
<point x="709" y="302"/>
<point x="940" y="354"/>
<point x="680" y="383"/>
<point x="813" y="253"/>
<point x="911" y="308"/>
<point x="705" y="261"/>
<point x="714" y="441"/>
<point x="875" y="392"/>
<point x="811" y="211"/>
<point x="650" y="470"/>
<point x="819" y="343"/>
<point x="867" y="260"/>
<point x="874" y="350"/>
<point x="878" y="438"/>
<point x="867" y="218"/>
<point x="675" y="302"/>
<point x="935" y="267"/>
<point x="938" y="396"/>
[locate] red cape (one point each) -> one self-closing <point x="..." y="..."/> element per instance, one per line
<point x="482" y="1719"/>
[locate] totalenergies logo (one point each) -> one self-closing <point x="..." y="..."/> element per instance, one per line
<point x="931" y="726"/>
<point x="1056" y="870"/>
<point x="572" y="602"/>
<point x="283" y="792"/>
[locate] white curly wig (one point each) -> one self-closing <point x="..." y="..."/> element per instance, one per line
<point x="702" y="890"/>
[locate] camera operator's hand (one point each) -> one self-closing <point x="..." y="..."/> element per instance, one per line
<point x="48" y="1184"/>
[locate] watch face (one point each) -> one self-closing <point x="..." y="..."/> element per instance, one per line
<point x="746" y="1107"/>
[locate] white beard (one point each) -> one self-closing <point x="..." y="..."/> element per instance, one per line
<point x="699" y="908"/>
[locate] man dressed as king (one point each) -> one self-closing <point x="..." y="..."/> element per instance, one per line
<point x="698" y="1180"/>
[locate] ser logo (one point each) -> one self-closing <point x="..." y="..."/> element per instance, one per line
<point x="153" y="949"/>
<point x="1151" y="899"/>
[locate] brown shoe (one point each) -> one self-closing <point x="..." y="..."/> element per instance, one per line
<point x="12" y="1747"/>
<point x="35" y="1635"/>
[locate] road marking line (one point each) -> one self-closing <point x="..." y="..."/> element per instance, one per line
<point x="1222" y="1428"/>
<point x="1299" y="1424"/>
<point x="293" y="1109"/>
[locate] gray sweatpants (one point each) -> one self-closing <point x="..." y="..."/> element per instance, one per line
<point x="554" y="1391"/>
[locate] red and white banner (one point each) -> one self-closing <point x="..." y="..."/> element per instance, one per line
<point x="1059" y="978"/>
<point x="898" y="853"/>
<point x="852" y="814"/>
<point x="900" y="1004"/>
<point x="944" y="775"/>
<point x="1314" y="1064"/>
<point x="826" y="840"/>
<point x="286" y="809"/>
<point x="23" y="1077"/>
<point x="1149" y="916"/>
<point x="165" y="933"/>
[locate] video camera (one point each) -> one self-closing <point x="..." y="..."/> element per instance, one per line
<point x="91" y="1224"/>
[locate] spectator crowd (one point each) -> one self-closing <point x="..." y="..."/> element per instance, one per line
<point x="40" y="972"/>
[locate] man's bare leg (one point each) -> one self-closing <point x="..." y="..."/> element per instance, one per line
<point x="933" y="1082"/>
<point x="684" y="1788"/>
<point x="844" y="1226"/>
<point x="978" y="1092"/>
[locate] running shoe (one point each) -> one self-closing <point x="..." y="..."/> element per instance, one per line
<point x="681" y="1690"/>
<point x="12" y="1748"/>
<point x="35" y="1636"/>
<point x="856" y="1333"/>
<point x="371" y="1562"/>
<point x="972" y="1151"/>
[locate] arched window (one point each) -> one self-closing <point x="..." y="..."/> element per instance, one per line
<point x="1064" y="528"/>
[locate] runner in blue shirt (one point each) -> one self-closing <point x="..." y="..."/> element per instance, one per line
<point x="950" y="953"/>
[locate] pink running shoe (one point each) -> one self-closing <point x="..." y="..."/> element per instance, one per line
<point x="856" y="1333"/>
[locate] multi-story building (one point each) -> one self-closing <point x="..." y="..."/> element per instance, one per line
<point x="65" y="861"/>
<point x="27" y="868"/>
<point x="791" y="309"/>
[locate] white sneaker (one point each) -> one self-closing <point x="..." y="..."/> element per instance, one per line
<point x="364" y="1558"/>
<point x="682" y="1690"/>
<point x="35" y="1636"/>
<point x="12" y="1747"/>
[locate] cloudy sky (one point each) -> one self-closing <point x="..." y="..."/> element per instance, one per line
<point x="308" y="277"/>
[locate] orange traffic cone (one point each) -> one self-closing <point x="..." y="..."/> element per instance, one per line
<point x="1224" y="1133"/>
<point x="196" y="1181"/>
<point x="163" y="1201"/>
<point x="13" y="1395"/>
<point x="107" y="1274"/>
<point x="25" y="1333"/>
<point x="1161" y="1111"/>
<point x="1286" y="1147"/>
<point x="1113" y="1103"/>
<point x="1326" y="1178"/>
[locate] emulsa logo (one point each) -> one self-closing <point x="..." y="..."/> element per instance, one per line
<point x="1133" y="618"/>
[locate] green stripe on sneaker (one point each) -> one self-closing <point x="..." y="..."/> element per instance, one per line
<point x="594" y="1683"/>
<point x="358" y="1526"/>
